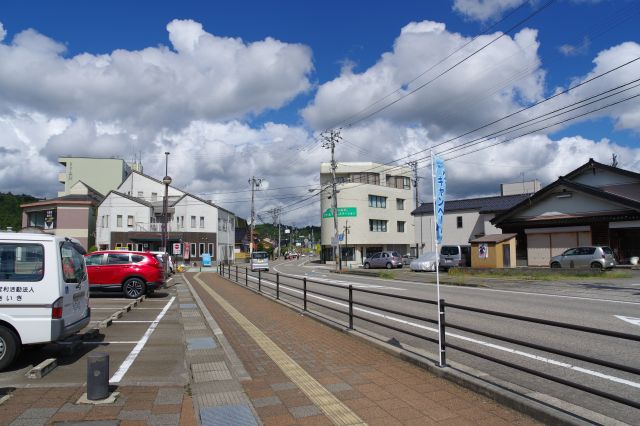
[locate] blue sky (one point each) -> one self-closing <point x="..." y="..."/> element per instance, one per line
<point x="101" y="67"/>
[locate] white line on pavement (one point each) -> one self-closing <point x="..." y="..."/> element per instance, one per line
<point x="131" y="321"/>
<point x="126" y="364"/>
<point x="476" y="341"/>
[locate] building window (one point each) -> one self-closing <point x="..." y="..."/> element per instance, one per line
<point x="201" y="249"/>
<point x="376" y="225"/>
<point x="130" y="221"/>
<point x="370" y="178"/>
<point x="400" y="182"/>
<point x="401" y="226"/>
<point x="105" y="221"/>
<point x="193" y="250"/>
<point x="154" y="196"/>
<point x="119" y="221"/>
<point x="377" y="201"/>
<point x="459" y="221"/>
<point x="193" y="221"/>
<point x="400" y="203"/>
<point x="182" y="221"/>
<point x="140" y="194"/>
<point x="201" y="221"/>
<point x="210" y="249"/>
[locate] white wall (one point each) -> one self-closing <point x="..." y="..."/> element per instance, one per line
<point x="114" y="205"/>
<point x="578" y="202"/>
<point x="190" y="206"/>
<point x="136" y="182"/>
<point x="602" y="178"/>
<point x="474" y="225"/>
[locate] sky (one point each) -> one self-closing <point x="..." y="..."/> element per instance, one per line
<point x="503" y="90"/>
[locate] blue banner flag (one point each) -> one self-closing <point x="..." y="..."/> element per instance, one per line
<point x="440" y="189"/>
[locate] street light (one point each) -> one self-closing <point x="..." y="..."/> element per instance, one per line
<point x="165" y="203"/>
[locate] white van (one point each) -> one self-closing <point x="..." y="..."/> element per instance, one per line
<point x="44" y="291"/>
<point x="455" y="256"/>
<point x="259" y="261"/>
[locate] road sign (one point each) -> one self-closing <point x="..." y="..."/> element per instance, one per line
<point x="342" y="212"/>
<point x="341" y="237"/>
<point x="176" y="248"/>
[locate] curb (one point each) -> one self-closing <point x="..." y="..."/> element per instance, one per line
<point x="42" y="369"/>
<point x="539" y="406"/>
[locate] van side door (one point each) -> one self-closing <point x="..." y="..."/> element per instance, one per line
<point x="75" y="294"/>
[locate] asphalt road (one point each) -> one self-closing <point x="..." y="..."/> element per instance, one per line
<point x="611" y="306"/>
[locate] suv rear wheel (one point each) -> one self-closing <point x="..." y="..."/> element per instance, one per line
<point x="134" y="288"/>
<point x="9" y="347"/>
<point x="596" y="265"/>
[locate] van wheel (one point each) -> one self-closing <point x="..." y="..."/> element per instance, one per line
<point x="555" y="265"/>
<point x="9" y="347"/>
<point x="133" y="288"/>
<point x="367" y="266"/>
<point x="389" y="265"/>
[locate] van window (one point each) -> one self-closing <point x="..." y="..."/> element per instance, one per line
<point x="449" y="250"/>
<point x="73" y="269"/>
<point x="259" y="255"/>
<point x="21" y="262"/>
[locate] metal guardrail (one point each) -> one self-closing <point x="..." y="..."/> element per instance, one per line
<point x="352" y="302"/>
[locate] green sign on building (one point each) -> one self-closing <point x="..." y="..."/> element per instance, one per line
<point x="342" y="212"/>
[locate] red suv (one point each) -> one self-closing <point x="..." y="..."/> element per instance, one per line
<point x="132" y="272"/>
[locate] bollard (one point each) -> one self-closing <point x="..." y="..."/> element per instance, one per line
<point x="97" y="376"/>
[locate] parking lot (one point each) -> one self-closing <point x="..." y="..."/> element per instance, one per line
<point x="144" y="339"/>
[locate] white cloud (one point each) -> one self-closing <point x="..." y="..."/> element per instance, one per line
<point x="3" y="33"/>
<point x="206" y="76"/>
<point x="489" y="84"/>
<point x="484" y="10"/>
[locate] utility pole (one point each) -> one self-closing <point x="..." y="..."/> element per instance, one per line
<point x="346" y="235"/>
<point x="255" y="182"/>
<point x="275" y="214"/>
<point x="165" y="203"/>
<point x="414" y="168"/>
<point x="330" y="139"/>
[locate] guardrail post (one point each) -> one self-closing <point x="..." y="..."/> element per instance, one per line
<point x="304" y="288"/>
<point x="350" y="307"/>
<point x="259" y="280"/>
<point x="443" y="350"/>
<point x="246" y="277"/>
<point x="277" y="285"/>
<point x="229" y="270"/>
<point x="236" y="273"/>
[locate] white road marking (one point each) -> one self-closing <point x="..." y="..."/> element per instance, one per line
<point x="476" y="341"/>
<point x="126" y="364"/>
<point x="632" y="320"/>
<point x="111" y="343"/>
<point x="130" y="321"/>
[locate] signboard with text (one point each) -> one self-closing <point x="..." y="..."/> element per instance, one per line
<point x="342" y="212"/>
<point x="176" y="248"/>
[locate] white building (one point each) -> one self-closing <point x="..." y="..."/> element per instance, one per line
<point x="468" y="219"/>
<point x="374" y="210"/>
<point x="131" y="217"/>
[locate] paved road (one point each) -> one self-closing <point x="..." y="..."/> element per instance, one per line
<point x="594" y="305"/>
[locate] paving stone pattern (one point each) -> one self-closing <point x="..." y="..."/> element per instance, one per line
<point x="380" y="388"/>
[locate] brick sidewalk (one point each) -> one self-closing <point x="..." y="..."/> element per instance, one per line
<point x="136" y="405"/>
<point x="377" y="387"/>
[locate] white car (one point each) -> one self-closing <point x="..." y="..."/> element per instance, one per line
<point x="45" y="291"/>
<point x="160" y="256"/>
<point x="426" y="262"/>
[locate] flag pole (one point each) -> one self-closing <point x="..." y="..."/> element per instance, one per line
<point x="435" y="244"/>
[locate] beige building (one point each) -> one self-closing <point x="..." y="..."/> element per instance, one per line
<point x="374" y="210"/>
<point x="102" y="174"/>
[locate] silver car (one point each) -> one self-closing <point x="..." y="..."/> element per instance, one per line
<point x="599" y="257"/>
<point x="383" y="259"/>
<point x="426" y="262"/>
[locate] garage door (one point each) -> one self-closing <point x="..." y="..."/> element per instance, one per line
<point x="538" y="249"/>
<point x="562" y="241"/>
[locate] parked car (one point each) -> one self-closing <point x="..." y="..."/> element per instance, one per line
<point x="45" y="294"/>
<point x="384" y="259"/>
<point x="600" y="257"/>
<point x="259" y="261"/>
<point x="407" y="259"/>
<point x="160" y="256"/>
<point x="426" y="262"/>
<point x="453" y="255"/>
<point x="132" y="272"/>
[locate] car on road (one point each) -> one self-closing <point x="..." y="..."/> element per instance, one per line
<point x="597" y="257"/>
<point x="135" y="273"/>
<point x="259" y="261"/>
<point x="455" y="256"/>
<point x="426" y="262"/>
<point x="44" y="291"/>
<point x="383" y="259"/>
